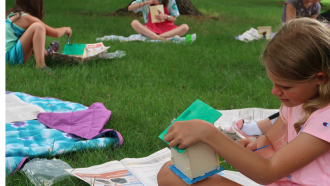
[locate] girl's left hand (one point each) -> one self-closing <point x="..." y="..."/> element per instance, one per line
<point x="160" y="17"/>
<point x="248" y="143"/>
<point x="186" y="133"/>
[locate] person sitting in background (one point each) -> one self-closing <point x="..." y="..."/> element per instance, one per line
<point x="26" y="32"/>
<point x="300" y="8"/>
<point x="165" y="27"/>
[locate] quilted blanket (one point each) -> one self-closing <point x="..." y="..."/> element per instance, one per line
<point x="31" y="138"/>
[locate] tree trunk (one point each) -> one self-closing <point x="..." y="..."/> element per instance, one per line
<point x="185" y="8"/>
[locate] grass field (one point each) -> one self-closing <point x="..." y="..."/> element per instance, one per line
<point x="154" y="82"/>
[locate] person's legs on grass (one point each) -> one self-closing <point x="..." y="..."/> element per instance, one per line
<point x="166" y="177"/>
<point x="141" y="29"/>
<point x="180" y="30"/>
<point x="34" y="38"/>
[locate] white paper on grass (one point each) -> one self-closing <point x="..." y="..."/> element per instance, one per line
<point x="248" y="114"/>
<point x="18" y="110"/>
<point x="144" y="170"/>
<point x="238" y="178"/>
<point x="96" y="48"/>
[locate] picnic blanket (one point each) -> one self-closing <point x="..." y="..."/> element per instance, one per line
<point x="139" y="37"/>
<point x="31" y="138"/>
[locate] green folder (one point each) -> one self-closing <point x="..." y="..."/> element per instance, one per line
<point x="197" y="110"/>
<point x="74" y="49"/>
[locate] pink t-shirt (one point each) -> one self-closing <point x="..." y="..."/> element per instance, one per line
<point x="317" y="173"/>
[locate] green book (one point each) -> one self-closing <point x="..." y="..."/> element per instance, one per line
<point x="74" y="49"/>
<point x="197" y="110"/>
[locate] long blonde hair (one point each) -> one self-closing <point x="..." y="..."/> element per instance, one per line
<point x="300" y="50"/>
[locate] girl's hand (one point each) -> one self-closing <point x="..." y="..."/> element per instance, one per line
<point x="153" y="2"/>
<point x="186" y="133"/>
<point x="248" y="143"/>
<point x="68" y="31"/>
<point x="160" y="17"/>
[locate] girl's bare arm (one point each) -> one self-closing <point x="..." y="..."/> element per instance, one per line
<point x="314" y="16"/>
<point x="141" y="4"/>
<point x="298" y="153"/>
<point x="50" y="31"/>
<point x="290" y="12"/>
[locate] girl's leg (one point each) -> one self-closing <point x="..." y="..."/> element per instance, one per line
<point x="141" y="29"/>
<point x="264" y="125"/>
<point x="180" y="30"/>
<point x="166" y="177"/>
<point x="34" y="38"/>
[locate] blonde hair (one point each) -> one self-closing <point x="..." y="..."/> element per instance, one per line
<point x="300" y="50"/>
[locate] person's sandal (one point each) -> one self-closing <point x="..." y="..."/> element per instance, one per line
<point x="237" y="126"/>
<point x="53" y="47"/>
<point x="47" y="69"/>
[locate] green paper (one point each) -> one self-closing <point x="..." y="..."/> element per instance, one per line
<point x="197" y="110"/>
<point x="74" y="49"/>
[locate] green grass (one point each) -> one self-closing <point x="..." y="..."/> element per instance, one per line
<point x="154" y="82"/>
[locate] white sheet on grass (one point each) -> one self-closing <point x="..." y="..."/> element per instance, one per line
<point x="238" y="178"/>
<point x="139" y="37"/>
<point x="18" y="110"/>
<point x="248" y="114"/>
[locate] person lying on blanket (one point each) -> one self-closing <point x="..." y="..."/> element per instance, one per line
<point x="165" y="27"/>
<point x="300" y="8"/>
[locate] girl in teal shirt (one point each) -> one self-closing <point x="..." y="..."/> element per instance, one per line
<point x="25" y="32"/>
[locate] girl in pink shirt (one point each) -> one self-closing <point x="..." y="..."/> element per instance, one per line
<point x="297" y="62"/>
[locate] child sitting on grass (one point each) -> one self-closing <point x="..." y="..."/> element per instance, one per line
<point x="300" y="8"/>
<point x="297" y="63"/>
<point x="25" y="32"/>
<point x="165" y="27"/>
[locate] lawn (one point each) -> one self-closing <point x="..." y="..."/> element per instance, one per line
<point x="154" y="82"/>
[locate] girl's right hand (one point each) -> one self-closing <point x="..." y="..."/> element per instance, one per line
<point x="186" y="133"/>
<point x="153" y="2"/>
<point x="68" y="31"/>
<point x="248" y="143"/>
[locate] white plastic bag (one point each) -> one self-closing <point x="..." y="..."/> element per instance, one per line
<point x="249" y="35"/>
<point x="44" y="172"/>
<point x="118" y="53"/>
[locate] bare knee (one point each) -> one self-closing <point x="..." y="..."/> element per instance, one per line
<point x="37" y="26"/>
<point x="163" y="174"/>
<point x="184" y="28"/>
<point x="135" y="23"/>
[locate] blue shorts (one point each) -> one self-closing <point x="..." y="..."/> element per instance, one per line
<point x="15" y="55"/>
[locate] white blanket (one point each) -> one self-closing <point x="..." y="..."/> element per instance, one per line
<point x="248" y="114"/>
<point x="139" y="37"/>
<point x="18" y="110"/>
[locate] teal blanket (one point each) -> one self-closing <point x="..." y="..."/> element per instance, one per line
<point x="28" y="139"/>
